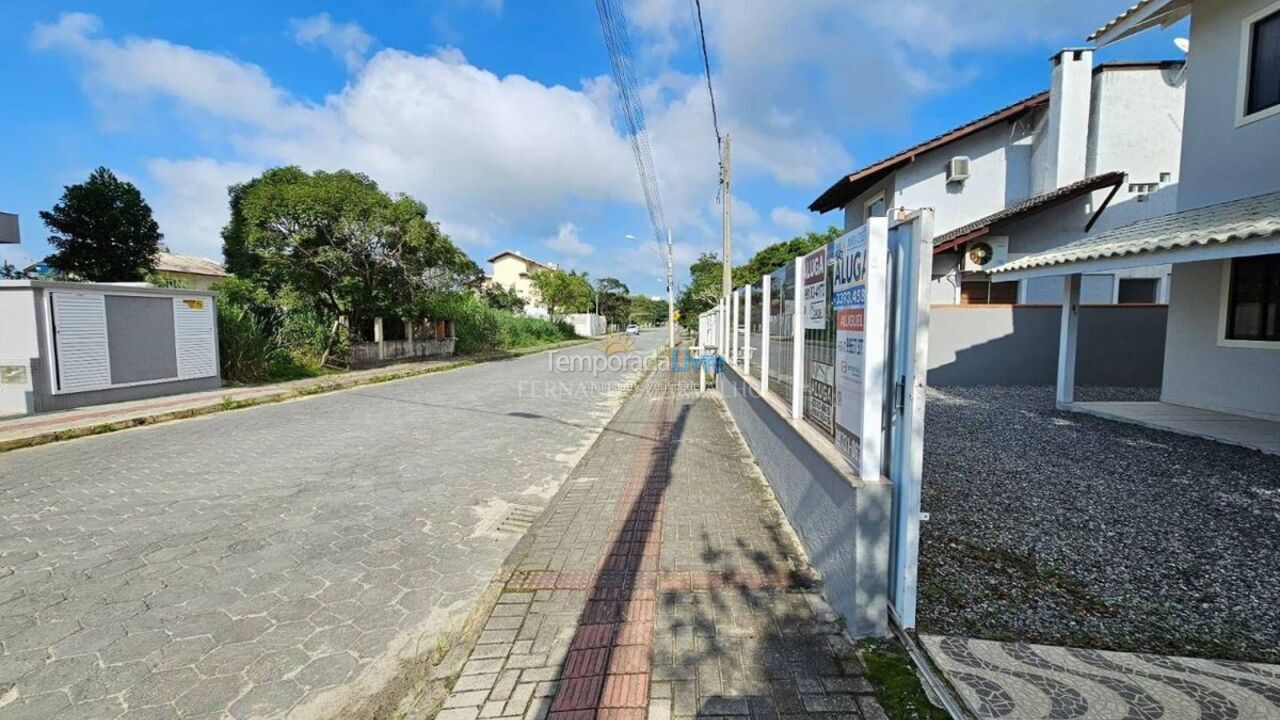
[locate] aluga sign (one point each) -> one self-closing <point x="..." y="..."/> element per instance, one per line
<point x="858" y="289"/>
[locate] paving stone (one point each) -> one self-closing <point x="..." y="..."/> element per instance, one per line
<point x="212" y="695"/>
<point x="474" y="698"/>
<point x="327" y="671"/>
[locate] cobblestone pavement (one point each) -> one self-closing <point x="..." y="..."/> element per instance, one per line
<point x="278" y="560"/>
<point x="662" y="582"/>
<point x="1017" y="681"/>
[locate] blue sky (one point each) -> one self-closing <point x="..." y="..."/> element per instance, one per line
<point x="501" y="115"/>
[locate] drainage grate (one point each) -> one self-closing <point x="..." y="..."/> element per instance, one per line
<point x="518" y="519"/>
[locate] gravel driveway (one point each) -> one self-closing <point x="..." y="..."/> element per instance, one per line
<point x="1067" y="529"/>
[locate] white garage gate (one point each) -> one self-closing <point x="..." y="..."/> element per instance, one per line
<point x="91" y="343"/>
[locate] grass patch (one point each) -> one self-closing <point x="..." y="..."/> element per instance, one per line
<point x="897" y="688"/>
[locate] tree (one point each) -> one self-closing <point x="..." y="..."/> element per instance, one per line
<point x="612" y="299"/>
<point x="648" y="310"/>
<point x="779" y="254"/>
<point x="9" y="272"/>
<point x="339" y="243"/>
<point x="103" y="230"/>
<point x="703" y="290"/>
<point x="502" y="298"/>
<point x="563" y="291"/>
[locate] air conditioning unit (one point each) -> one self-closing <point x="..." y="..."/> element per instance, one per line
<point x="958" y="169"/>
<point x="982" y="255"/>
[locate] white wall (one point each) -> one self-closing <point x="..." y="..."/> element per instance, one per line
<point x="1136" y="126"/>
<point x="1197" y="370"/>
<point x="999" y="176"/>
<point x="19" y="345"/>
<point x="1223" y="162"/>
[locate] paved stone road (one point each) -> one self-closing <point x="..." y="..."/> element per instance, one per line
<point x="276" y="560"/>
<point x="661" y="583"/>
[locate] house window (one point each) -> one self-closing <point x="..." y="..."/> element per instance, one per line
<point x="1253" y="299"/>
<point x="876" y="208"/>
<point x="1261" y="65"/>
<point x="1137" y="291"/>
<point x="983" y="292"/>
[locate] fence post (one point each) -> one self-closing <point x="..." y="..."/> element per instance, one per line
<point x="724" y="327"/>
<point x="377" y="337"/>
<point x="797" y="344"/>
<point x="765" y="288"/>
<point x="746" y="329"/>
<point x="733" y="325"/>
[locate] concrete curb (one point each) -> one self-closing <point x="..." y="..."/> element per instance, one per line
<point x="226" y="403"/>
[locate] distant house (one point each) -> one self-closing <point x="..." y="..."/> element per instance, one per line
<point x="1222" y="354"/>
<point x="189" y="271"/>
<point x="512" y="270"/>
<point x="1036" y="175"/>
<point x="178" y="271"/>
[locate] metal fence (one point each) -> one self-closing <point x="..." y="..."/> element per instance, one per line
<point x="782" y="310"/>
<point x="755" y="297"/>
<point x="819" y="371"/>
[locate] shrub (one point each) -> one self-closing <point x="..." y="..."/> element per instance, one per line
<point x="245" y="344"/>
<point x="479" y="327"/>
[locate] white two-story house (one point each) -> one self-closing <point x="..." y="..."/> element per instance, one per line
<point x="1101" y="148"/>
<point x="514" y="271"/>
<point x="1221" y="374"/>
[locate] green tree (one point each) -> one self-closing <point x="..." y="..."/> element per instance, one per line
<point x="9" y="272"/>
<point x="779" y="254"/>
<point x="502" y="298"/>
<point x="613" y="300"/>
<point x="103" y="230"/>
<point x="703" y="290"/>
<point x="647" y="310"/>
<point x="563" y="291"/>
<point x="337" y="242"/>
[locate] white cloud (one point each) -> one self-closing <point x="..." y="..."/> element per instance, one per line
<point x="790" y="220"/>
<point x="567" y="242"/>
<point x="346" y="41"/>
<point x="143" y="67"/>
<point x="190" y="203"/>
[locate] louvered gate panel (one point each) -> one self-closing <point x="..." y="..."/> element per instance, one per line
<point x="193" y="326"/>
<point x="80" y="342"/>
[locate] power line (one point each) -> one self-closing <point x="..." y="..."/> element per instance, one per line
<point x="613" y="22"/>
<point x="706" y="64"/>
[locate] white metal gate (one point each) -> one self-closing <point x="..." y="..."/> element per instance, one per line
<point x="910" y="266"/>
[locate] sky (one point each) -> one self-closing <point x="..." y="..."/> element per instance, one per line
<point x="501" y="115"/>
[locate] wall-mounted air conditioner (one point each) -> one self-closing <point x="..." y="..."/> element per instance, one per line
<point x="958" y="169"/>
<point x="982" y="255"/>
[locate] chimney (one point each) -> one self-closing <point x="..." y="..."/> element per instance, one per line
<point x="1064" y="149"/>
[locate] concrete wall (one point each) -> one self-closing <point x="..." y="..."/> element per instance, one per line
<point x="19" y="347"/>
<point x="842" y="522"/>
<point x="1221" y="161"/>
<point x="1018" y="345"/>
<point x="1200" y="372"/>
<point x="1136" y="126"/>
<point x="999" y="158"/>
<point x="46" y="401"/>
<point x="587" y="324"/>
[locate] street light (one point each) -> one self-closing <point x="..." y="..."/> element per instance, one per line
<point x="671" y="301"/>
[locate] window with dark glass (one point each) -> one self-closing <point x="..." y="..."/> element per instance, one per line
<point x="1253" y="306"/>
<point x="1264" y="65"/>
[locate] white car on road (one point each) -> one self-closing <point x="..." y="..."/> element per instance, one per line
<point x="633" y="329"/>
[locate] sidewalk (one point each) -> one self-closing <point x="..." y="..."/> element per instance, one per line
<point x="661" y="582"/>
<point x="31" y="430"/>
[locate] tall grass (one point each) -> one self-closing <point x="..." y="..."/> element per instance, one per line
<point x="479" y="327"/>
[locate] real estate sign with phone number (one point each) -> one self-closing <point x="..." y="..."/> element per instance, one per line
<point x="858" y="289"/>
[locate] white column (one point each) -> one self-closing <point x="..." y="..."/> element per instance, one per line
<point x="746" y="328"/>
<point x="764" y="333"/>
<point x="1067" y="339"/>
<point x="377" y="337"/>
<point x="733" y="327"/>
<point x="797" y="344"/>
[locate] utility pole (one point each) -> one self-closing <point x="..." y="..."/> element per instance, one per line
<point x="726" y="283"/>
<point x="671" y="298"/>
